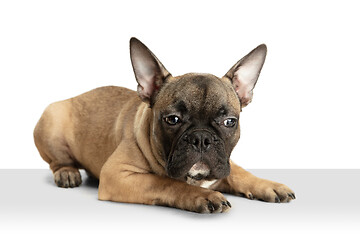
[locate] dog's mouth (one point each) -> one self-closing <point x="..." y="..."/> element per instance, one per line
<point x="199" y="171"/>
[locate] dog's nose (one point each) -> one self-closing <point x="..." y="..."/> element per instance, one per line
<point x="200" y="140"/>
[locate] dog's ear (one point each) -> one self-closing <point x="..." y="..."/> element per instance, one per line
<point x="244" y="73"/>
<point x="149" y="71"/>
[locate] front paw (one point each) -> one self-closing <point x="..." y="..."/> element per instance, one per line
<point x="270" y="191"/>
<point x="213" y="203"/>
<point x="206" y="201"/>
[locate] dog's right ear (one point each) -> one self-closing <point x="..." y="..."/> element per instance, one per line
<point x="149" y="71"/>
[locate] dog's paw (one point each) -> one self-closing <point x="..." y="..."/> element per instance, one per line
<point x="213" y="202"/>
<point x="270" y="191"/>
<point x="67" y="177"/>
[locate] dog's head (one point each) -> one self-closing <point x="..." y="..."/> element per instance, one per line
<point x="195" y="121"/>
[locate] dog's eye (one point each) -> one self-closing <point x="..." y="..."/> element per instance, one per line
<point x="172" y="120"/>
<point x="230" y="122"/>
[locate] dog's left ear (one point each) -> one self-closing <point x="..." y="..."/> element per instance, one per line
<point x="244" y="74"/>
<point x="149" y="71"/>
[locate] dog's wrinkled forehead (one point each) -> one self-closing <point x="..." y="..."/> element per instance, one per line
<point x="203" y="93"/>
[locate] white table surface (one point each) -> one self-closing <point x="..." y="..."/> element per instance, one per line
<point x="327" y="205"/>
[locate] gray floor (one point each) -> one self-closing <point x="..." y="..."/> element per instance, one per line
<point x="327" y="204"/>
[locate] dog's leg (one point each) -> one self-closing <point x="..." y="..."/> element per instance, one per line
<point x="146" y="188"/>
<point x="121" y="182"/>
<point x="241" y="182"/>
<point x="50" y="140"/>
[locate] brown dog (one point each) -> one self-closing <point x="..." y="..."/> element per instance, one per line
<point x="170" y="146"/>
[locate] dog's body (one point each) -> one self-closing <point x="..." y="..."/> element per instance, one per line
<point x="169" y="147"/>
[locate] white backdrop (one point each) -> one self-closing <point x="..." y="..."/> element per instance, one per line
<point x="305" y="111"/>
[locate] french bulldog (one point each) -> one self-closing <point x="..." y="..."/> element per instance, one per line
<point x="167" y="144"/>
